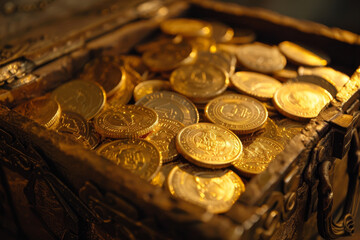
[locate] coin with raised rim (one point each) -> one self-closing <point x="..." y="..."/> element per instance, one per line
<point x="171" y="105"/>
<point x="75" y="126"/>
<point x="254" y="84"/>
<point x="136" y="155"/>
<point x="239" y="113"/>
<point x="128" y="121"/>
<point x="163" y="136"/>
<point x="86" y="98"/>
<point x="301" y="100"/>
<point x="260" y="57"/>
<point x="199" y="82"/>
<point x="257" y="154"/>
<point x="150" y="86"/>
<point x="186" y="27"/>
<point x="208" y="145"/>
<point x="216" y="191"/>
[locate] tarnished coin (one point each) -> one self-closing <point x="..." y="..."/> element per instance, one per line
<point x="301" y="100"/>
<point x="86" y="98"/>
<point x="261" y="57"/>
<point x="257" y="85"/>
<point x="150" y="86"/>
<point x="258" y="153"/>
<point x="224" y="60"/>
<point x="216" y="191"/>
<point x="128" y="121"/>
<point x="199" y="82"/>
<point x="42" y="110"/>
<point x="75" y="126"/>
<point x="106" y="72"/>
<point x="136" y="155"/>
<point x="208" y="145"/>
<point x="163" y="136"/>
<point x="221" y="32"/>
<point x="171" y="105"/>
<point x="186" y="27"/>
<point x="299" y="55"/>
<point x="336" y="78"/>
<point x="169" y="56"/>
<point x="239" y="113"/>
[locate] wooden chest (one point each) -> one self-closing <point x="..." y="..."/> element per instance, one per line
<point x="52" y="188"/>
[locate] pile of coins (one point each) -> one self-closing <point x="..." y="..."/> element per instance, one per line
<point x="211" y="107"/>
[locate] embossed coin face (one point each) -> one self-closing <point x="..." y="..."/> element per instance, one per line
<point x="336" y="78"/>
<point x="239" y="113"/>
<point x="86" y="98"/>
<point x="171" y="105"/>
<point x="257" y="85"/>
<point x="261" y="57"/>
<point x="186" y="27"/>
<point x="136" y="155"/>
<point x="258" y="153"/>
<point x="163" y="136"/>
<point x="126" y="121"/>
<point x="301" y="100"/>
<point x="42" y="110"/>
<point x="169" y="56"/>
<point x="208" y="145"/>
<point x="216" y="191"/>
<point x="150" y="86"/>
<point x="75" y="126"/>
<point x="300" y="55"/>
<point x="199" y="82"/>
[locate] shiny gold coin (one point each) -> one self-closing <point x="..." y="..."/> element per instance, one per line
<point x="201" y="43"/>
<point x="75" y="126"/>
<point x="136" y="155"/>
<point x="86" y="98"/>
<point x="269" y="130"/>
<point x="336" y="78"/>
<point x="106" y="72"/>
<point x="208" y="145"/>
<point x="258" y="153"/>
<point x="300" y="55"/>
<point x="42" y="110"/>
<point x="186" y="27"/>
<point x="224" y="60"/>
<point x="163" y="136"/>
<point x="153" y="44"/>
<point x="169" y="56"/>
<point x="199" y="82"/>
<point x="243" y="36"/>
<point x="221" y="32"/>
<point x="171" y="105"/>
<point x="150" y="86"/>
<point x="285" y="74"/>
<point x="261" y="57"/>
<point x="289" y="128"/>
<point x="216" y="191"/>
<point x="123" y="95"/>
<point x="128" y="121"/>
<point x="239" y="113"/>
<point x="160" y="178"/>
<point x="257" y="85"/>
<point x="301" y="100"/>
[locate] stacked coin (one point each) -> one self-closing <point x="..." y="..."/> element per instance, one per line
<point x="199" y="107"/>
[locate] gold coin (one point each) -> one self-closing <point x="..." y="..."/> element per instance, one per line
<point x="301" y="100"/>
<point x="199" y="82"/>
<point x="285" y="74"/>
<point x="42" y="110"/>
<point x="336" y="78"/>
<point x="261" y="57"/>
<point x="136" y="155"/>
<point x="171" y="105"/>
<point x="243" y="36"/>
<point x="128" y="121"/>
<point x="163" y="136"/>
<point x="123" y="95"/>
<point x="290" y="128"/>
<point x="257" y="85"/>
<point x="221" y="32"/>
<point x="75" y="126"/>
<point x="186" y="27"/>
<point x="269" y="130"/>
<point x="150" y="86"/>
<point x="258" y="153"/>
<point x="86" y="98"/>
<point x="165" y="169"/>
<point x="201" y="43"/>
<point x="169" y="56"/>
<point x="300" y="55"/>
<point x="216" y="191"/>
<point x="224" y="60"/>
<point x="239" y="113"/>
<point x="208" y="145"/>
<point x="106" y="72"/>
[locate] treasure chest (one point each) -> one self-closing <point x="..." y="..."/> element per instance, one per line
<point x="55" y="188"/>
